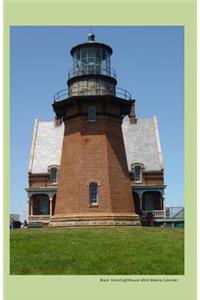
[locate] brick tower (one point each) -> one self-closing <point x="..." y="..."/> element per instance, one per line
<point x="94" y="185"/>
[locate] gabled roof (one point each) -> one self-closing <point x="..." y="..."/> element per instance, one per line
<point x="142" y="144"/>
<point x="141" y="141"/>
<point x="46" y="146"/>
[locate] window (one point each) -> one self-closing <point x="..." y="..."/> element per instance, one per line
<point x="54" y="175"/>
<point x="93" y="193"/>
<point x="149" y="202"/>
<point x="137" y="174"/>
<point x="92" y="113"/>
<point x="43" y="208"/>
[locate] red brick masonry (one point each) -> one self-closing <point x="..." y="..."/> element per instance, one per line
<point x="93" y="152"/>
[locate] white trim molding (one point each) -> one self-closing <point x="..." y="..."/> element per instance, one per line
<point x="33" y="145"/>
<point x="158" y="142"/>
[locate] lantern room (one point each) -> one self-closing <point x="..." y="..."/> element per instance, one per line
<point x="91" y="73"/>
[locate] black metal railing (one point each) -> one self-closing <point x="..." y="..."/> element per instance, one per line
<point x="117" y="92"/>
<point x="91" y="70"/>
<point x="61" y="95"/>
<point x="122" y="93"/>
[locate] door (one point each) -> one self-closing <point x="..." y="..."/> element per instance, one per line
<point x="149" y="202"/>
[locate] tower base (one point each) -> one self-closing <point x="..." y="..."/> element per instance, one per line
<point x="97" y="219"/>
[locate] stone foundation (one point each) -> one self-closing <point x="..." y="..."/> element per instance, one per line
<point x="95" y="220"/>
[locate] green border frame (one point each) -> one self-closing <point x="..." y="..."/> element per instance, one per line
<point x="130" y="13"/>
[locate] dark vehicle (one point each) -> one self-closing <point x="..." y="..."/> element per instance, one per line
<point x="17" y="224"/>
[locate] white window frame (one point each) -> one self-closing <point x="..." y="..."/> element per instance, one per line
<point x="97" y="194"/>
<point x="141" y="166"/>
<point x="50" y="168"/>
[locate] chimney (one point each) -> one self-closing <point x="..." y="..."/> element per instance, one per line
<point x="132" y="115"/>
<point x="58" y="122"/>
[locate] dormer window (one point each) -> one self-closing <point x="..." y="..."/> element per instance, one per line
<point x="137" y="173"/>
<point x="54" y="175"/>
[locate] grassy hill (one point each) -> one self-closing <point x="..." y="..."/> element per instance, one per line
<point x="97" y="251"/>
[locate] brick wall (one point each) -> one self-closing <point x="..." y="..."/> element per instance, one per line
<point x="149" y="178"/>
<point x="93" y="152"/>
<point x="39" y="180"/>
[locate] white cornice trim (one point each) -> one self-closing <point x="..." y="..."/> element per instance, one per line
<point x="33" y="145"/>
<point x="158" y="142"/>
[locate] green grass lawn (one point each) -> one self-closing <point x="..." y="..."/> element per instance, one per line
<point x="98" y="251"/>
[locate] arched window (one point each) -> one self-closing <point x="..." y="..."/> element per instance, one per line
<point x="137" y="174"/>
<point x="93" y="193"/>
<point x="54" y="175"/>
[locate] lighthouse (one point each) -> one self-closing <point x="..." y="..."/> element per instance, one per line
<point x="94" y="186"/>
<point x="95" y="163"/>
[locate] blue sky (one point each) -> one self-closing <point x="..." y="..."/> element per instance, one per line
<point x="149" y="62"/>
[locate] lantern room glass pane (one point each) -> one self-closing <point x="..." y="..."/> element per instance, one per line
<point x="83" y="53"/>
<point x="75" y="60"/>
<point x="98" y="55"/>
<point x="91" y="52"/>
<point x="91" y="60"/>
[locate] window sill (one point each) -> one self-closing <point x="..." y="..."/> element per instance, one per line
<point x="94" y="205"/>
